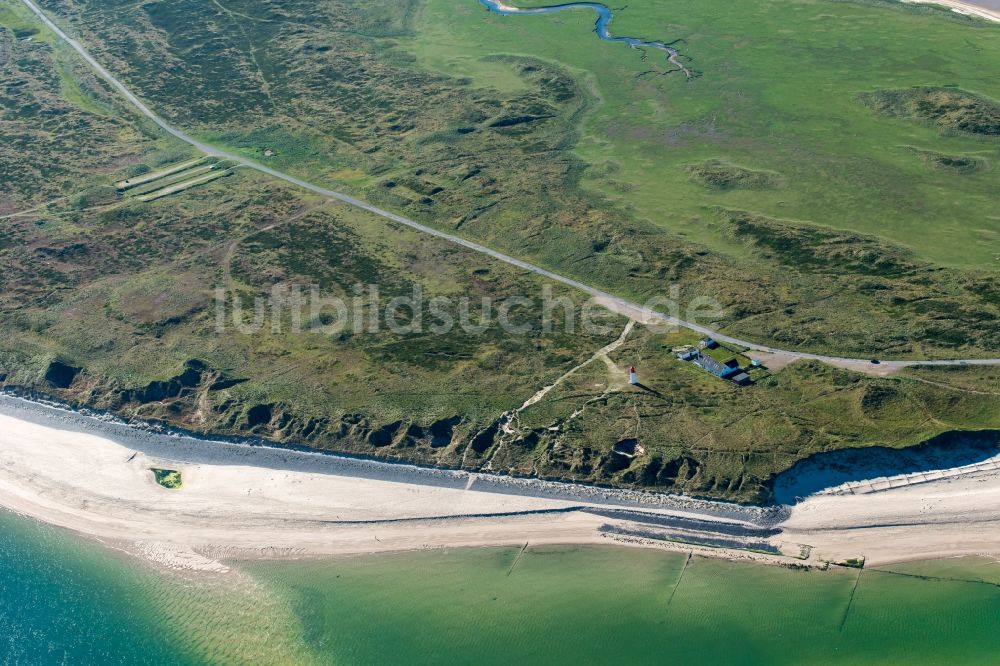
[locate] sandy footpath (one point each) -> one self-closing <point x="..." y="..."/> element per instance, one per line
<point x="239" y="501"/>
<point x="971" y="8"/>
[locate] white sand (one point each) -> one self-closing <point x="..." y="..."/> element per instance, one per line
<point x="91" y="484"/>
<point x="943" y="518"/>
<point x="87" y="483"/>
<point x="971" y="8"/>
<point x="94" y="485"/>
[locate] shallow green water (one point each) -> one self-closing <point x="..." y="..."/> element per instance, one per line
<point x="64" y="599"/>
<point x="566" y="605"/>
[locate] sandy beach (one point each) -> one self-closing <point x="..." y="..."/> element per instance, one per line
<point x="98" y="487"/>
<point x="986" y="9"/>
<point x="93" y="477"/>
<point x="948" y="517"/>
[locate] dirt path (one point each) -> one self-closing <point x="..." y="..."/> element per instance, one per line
<point x="615" y="374"/>
<point x="951" y="387"/>
<point x="510" y="422"/>
<point x="29" y="211"/>
<point x="265" y="85"/>
<point x="227" y="257"/>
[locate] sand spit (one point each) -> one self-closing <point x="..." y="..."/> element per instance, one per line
<point x="92" y="475"/>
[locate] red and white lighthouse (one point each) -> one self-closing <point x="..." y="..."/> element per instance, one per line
<point x="633" y="377"/>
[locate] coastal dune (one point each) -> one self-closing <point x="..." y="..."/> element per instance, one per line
<point x="237" y="501"/>
<point x="94" y="477"/>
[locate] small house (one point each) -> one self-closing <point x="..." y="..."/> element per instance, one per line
<point x="688" y="355"/>
<point x="742" y="378"/>
<point x="728" y="371"/>
<point x="711" y="365"/>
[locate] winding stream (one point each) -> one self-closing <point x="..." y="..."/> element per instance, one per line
<point x="602" y="27"/>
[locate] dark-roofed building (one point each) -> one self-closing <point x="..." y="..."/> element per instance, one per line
<point x="741" y="378"/>
<point x="709" y="364"/>
<point x="689" y="354"/>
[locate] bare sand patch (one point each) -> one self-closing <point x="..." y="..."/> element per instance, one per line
<point x="943" y="518"/>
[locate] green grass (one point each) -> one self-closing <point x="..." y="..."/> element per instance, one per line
<point x="621" y="178"/>
<point x="168" y="478"/>
<point x="746" y="185"/>
<point x="758" y="105"/>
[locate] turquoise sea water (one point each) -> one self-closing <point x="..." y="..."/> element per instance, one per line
<point x="67" y="600"/>
<point x="61" y="601"/>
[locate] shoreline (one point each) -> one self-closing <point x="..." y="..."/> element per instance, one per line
<point x="161" y="439"/>
<point x="92" y="475"/>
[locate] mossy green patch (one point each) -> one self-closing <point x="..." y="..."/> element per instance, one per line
<point x="812" y="248"/>
<point x="718" y="175"/>
<point x="168" y="478"/>
<point x="951" y="163"/>
<point x="951" y="109"/>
